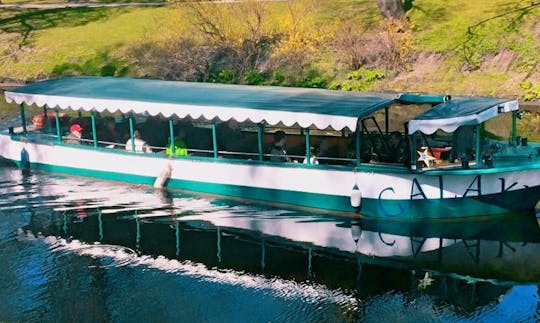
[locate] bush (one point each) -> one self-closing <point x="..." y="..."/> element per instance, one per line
<point x="278" y="78"/>
<point x="255" y="78"/>
<point x="359" y="80"/>
<point x="532" y="92"/>
<point x="390" y="46"/>
<point x="223" y="76"/>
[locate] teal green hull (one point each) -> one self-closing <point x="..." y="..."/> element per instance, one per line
<point x="375" y="208"/>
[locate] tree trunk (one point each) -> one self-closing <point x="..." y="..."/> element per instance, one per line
<point x="391" y="9"/>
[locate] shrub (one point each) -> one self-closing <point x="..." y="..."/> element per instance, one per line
<point x="223" y="76"/>
<point x="532" y="92"/>
<point x="359" y="80"/>
<point x="255" y="78"/>
<point x="278" y="78"/>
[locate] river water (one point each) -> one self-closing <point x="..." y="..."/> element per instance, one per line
<point x="79" y="249"/>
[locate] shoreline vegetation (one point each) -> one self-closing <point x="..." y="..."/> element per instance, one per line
<point x="459" y="47"/>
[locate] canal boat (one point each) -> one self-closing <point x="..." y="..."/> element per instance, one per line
<point x="447" y="160"/>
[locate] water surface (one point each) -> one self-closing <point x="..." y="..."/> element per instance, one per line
<point x="79" y="249"/>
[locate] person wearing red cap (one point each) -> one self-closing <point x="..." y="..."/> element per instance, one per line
<point x="75" y="134"/>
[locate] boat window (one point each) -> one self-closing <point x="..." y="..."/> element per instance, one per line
<point x="334" y="147"/>
<point x="237" y="140"/>
<point x="498" y="128"/>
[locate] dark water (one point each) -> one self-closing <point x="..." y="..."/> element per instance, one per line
<point x="78" y="249"/>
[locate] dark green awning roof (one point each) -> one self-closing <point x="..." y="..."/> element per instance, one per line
<point x="460" y="111"/>
<point x="306" y="107"/>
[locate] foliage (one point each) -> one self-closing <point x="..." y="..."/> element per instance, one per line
<point x="278" y="78"/>
<point x="255" y="78"/>
<point x="532" y="92"/>
<point x="527" y="50"/>
<point x="529" y="126"/>
<point x="245" y="40"/>
<point x="472" y="30"/>
<point x="367" y="75"/>
<point x="313" y="79"/>
<point x="300" y="40"/>
<point x="391" y="46"/>
<point x="223" y="76"/>
<point x="359" y="80"/>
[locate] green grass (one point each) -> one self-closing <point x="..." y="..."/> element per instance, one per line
<point x="60" y="36"/>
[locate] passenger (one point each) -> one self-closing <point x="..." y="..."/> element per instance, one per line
<point x="278" y="152"/>
<point x="75" y="134"/>
<point x="322" y="151"/>
<point x="398" y="148"/>
<point x="180" y="147"/>
<point x="312" y="158"/>
<point x="140" y="145"/>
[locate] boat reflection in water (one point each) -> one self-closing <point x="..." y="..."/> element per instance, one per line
<point x="366" y="264"/>
<point x="296" y="245"/>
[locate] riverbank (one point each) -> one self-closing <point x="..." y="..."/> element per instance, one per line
<point x="462" y="48"/>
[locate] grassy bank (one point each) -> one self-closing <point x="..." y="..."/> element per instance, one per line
<point x="458" y="47"/>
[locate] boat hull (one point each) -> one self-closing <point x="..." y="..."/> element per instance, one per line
<point x="386" y="193"/>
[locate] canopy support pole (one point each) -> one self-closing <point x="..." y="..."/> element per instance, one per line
<point x="214" y="139"/>
<point x="358" y="145"/>
<point x="308" y="146"/>
<point x="131" y="133"/>
<point x="94" y="132"/>
<point x="478" y="145"/>
<point x="171" y="132"/>
<point x="413" y="151"/>
<point x="58" y="132"/>
<point x="23" y="119"/>
<point x="514" y="126"/>
<point x="386" y="119"/>
<point x="260" y="130"/>
<point x="46" y="123"/>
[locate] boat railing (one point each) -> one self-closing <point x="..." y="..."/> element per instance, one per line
<point x="237" y="153"/>
<point x="51" y="138"/>
<point x="348" y="160"/>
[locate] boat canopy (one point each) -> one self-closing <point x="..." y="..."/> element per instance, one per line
<point x="460" y="111"/>
<point x="305" y="107"/>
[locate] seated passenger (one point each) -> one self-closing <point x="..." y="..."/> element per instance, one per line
<point x="140" y="145"/>
<point x="180" y="147"/>
<point x="278" y="152"/>
<point x="312" y="158"/>
<point x="398" y="147"/>
<point x="75" y="134"/>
